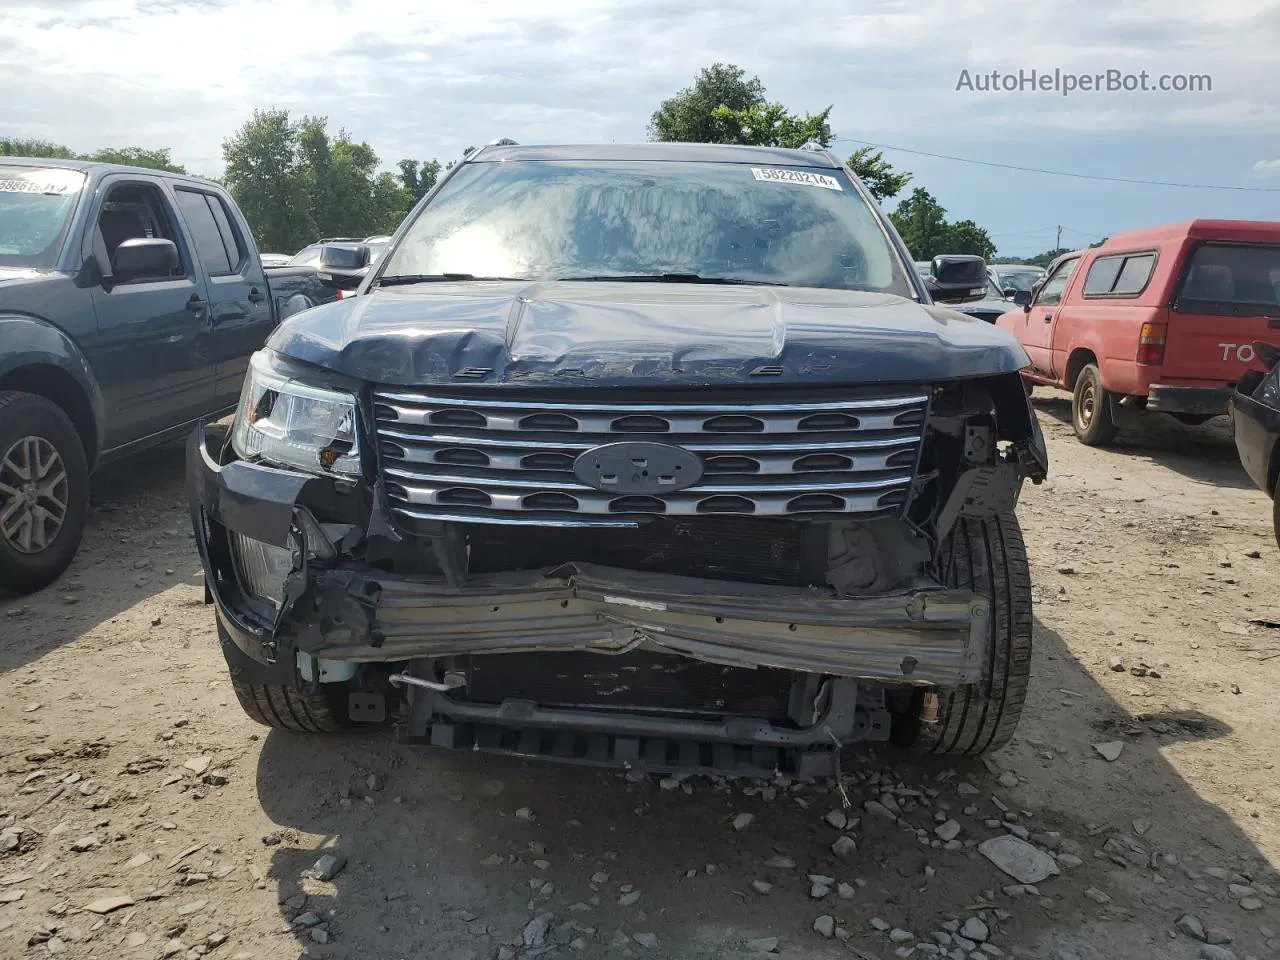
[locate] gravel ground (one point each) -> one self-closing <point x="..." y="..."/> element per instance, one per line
<point x="142" y="815"/>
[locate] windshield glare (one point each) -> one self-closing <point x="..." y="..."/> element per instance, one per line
<point x="35" y="209"/>
<point x="555" y="220"/>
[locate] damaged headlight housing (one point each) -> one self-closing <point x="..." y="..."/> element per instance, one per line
<point x="292" y="423"/>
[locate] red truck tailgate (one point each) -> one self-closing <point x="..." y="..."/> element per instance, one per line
<point x="1213" y="347"/>
<point x="1229" y="297"/>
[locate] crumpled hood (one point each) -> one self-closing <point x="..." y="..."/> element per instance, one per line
<point x="575" y="333"/>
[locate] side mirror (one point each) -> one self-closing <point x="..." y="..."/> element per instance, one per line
<point x="1010" y="293"/>
<point x="1021" y="298"/>
<point x="150" y="257"/>
<point x="343" y="265"/>
<point x="957" y="278"/>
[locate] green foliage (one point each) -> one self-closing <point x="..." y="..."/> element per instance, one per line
<point x="1041" y="259"/>
<point x="688" y="116"/>
<point x="266" y="174"/>
<point x="769" y="125"/>
<point x="922" y="222"/>
<point x="418" y="178"/>
<point x="965" y="236"/>
<point x="137" y="157"/>
<point x="129" y="156"/>
<point x="877" y="174"/>
<point x="297" y="183"/>
<point x="35" y="148"/>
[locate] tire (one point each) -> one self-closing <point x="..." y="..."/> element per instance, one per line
<point x="289" y="708"/>
<point x="42" y="517"/>
<point x="274" y="696"/>
<point x="988" y="557"/>
<point x="1091" y="409"/>
<point x="1275" y="512"/>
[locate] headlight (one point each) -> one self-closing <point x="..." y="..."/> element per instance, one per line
<point x="295" y="424"/>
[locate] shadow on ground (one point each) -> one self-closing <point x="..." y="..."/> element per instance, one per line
<point x="440" y="864"/>
<point x="1205" y="453"/>
<point x="138" y="502"/>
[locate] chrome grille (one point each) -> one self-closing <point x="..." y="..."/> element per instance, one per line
<point x="497" y="459"/>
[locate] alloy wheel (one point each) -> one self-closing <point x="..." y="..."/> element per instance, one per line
<point x="34" y="493"/>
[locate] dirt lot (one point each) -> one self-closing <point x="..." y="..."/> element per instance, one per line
<point x="129" y="772"/>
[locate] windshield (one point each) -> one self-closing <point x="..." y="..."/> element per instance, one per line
<point x="993" y="292"/>
<point x="555" y="220"/>
<point x="1018" y="279"/>
<point x="35" y="210"/>
<point x="1232" y="279"/>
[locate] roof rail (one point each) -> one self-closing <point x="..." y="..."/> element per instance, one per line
<point x="499" y="142"/>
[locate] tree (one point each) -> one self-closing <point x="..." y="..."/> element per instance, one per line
<point x="266" y="176"/>
<point x="35" y="148"/>
<point x="877" y="174"/>
<point x="769" y="125"/>
<point x="137" y="157"/>
<point x="340" y="176"/>
<point x="922" y="222"/>
<point x="130" y="156"/>
<point x="1044" y="259"/>
<point x="418" y="178"/>
<point x="687" y="117"/>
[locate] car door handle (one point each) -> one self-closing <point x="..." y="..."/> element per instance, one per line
<point x="256" y="295"/>
<point x="195" y="304"/>
<point x="1048" y="318"/>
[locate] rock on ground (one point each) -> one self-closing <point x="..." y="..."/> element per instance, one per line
<point x="1019" y="859"/>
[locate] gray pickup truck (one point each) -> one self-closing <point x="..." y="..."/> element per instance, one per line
<point x="130" y="303"/>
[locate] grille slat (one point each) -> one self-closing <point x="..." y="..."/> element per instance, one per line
<point x="433" y="455"/>
<point x="767" y="458"/>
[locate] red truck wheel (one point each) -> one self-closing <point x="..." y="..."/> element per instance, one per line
<point x="1091" y="409"/>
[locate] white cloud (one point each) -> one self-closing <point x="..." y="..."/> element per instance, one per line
<point x="1267" y="166"/>
<point x="427" y="79"/>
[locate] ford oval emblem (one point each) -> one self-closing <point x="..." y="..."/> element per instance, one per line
<point x="637" y="467"/>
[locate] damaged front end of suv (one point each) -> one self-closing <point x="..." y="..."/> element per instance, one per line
<point x="604" y="555"/>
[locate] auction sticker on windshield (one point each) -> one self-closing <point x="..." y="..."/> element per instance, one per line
<point x="802" y="177"/>
<point x="49" y="181"/>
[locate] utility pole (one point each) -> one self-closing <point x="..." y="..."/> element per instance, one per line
<point x="1057" y="244"/>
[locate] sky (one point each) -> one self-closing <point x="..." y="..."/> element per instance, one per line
<point x="421" y="79"/>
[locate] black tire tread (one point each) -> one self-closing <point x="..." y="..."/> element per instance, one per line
<point x="1102" y="428"/>
<point x="987" y="556"/>
<point x="288" y="708"/>
<point x="1275" y="512"/>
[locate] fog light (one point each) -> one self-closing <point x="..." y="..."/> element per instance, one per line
<point x="262" y="567"/>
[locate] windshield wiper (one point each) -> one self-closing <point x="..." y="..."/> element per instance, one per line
<point x="410" y="278"/>
<point x="675" y="278"/>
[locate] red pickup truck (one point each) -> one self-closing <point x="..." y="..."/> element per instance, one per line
<point x="1162" y="319"/>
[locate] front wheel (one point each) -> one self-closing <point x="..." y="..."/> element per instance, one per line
<point x="44" y="492"/>
<point x="1091" y="409"/>
<point x="1275" y="512"/>
<point x="987" y="557"/>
